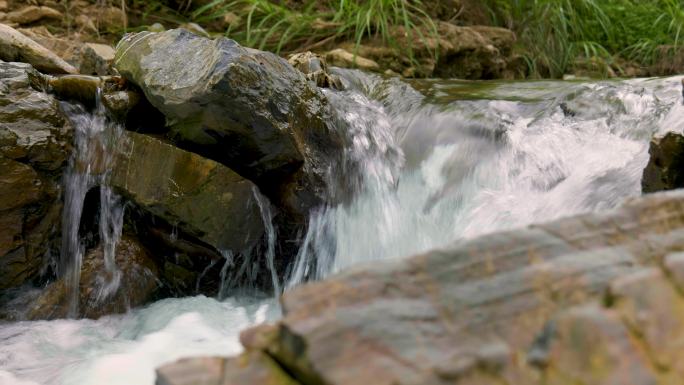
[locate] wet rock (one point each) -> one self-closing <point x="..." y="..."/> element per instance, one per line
<point x="14" y="46"/>
<point x="201" y="197"/>
<point x="247" y="109"/>
<point x="342" y="58"/>
<point x="315" y="69"/>
<point x="32" y="14"/>
<point x="102" y="292"/>
<point x="665" y="168"/>
<point x="96" y="59"/>
<point x="469" y="314"/>
<point x="34" y="146"/>
<point x="119" y="103"/>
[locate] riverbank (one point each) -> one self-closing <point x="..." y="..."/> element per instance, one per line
<point x="493" y="39"/>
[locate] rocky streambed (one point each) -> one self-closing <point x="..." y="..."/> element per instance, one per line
<point x="208" y="170"/>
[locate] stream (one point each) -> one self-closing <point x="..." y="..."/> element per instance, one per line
<point x="442" y="161"/>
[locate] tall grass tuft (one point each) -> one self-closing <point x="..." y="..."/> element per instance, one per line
<point x="556" y="34"/>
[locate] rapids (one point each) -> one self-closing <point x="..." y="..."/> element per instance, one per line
<point x="440" y="161"/>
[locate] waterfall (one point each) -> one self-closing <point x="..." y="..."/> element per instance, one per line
<point x="267" y="217"/>
<point x="96" y="138"/>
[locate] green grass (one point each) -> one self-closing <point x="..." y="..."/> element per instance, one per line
<point x="554" y="35"/>
<point x="278" y="28"/>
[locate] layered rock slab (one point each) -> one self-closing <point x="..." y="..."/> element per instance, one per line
<point x="529" y="306"/>
<point x="199" y="196"/>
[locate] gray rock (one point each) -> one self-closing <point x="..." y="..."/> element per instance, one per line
<point x="14" y="46"/>
<point x="247" y="109"/>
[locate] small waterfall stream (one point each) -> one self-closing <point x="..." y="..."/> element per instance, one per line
<point x="89" y="167"/>
<point x="431" y="162"/>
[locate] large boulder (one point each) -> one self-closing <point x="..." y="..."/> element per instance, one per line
<point x="665" y="168"/>
<point x="593" y="299"/>
<point x="35" y="141"/>
<point x="247" y="109"/>
<point x="199" y="196"/>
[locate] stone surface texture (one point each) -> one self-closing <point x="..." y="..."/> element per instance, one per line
<point x="592" y="299"/>
<point x="247" y="109"/>
<point x="35" y="140"/>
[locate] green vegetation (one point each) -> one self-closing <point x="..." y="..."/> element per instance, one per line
<point x="306" y="24"/>
<point x="556" y="35"/>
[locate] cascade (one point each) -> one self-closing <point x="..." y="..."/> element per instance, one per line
<point x="428" y="163"/>
<point x="95" y="140"/>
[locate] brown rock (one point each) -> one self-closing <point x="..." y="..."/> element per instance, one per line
<point x="204" y="198"/>
<point x="32" y="14"/>
<point x="592" y="346"/>
<point x="252" y="368"/>
<point x="99" y="293"/>
<point x="652" y="308"/>
<point x="14" y="46"/>
<point x="96" y="59"/>
<point x="665" y="167"/>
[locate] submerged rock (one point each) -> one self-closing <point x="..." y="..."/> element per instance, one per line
<point x="587" y="299"/>
<point x="35" y="141"/>
<point x="665" y="168"/>
<point x="101" y="292"/>
<point x="201" y="197"/>
<point x="14" y="46"/>
<point x="247" y="109"/>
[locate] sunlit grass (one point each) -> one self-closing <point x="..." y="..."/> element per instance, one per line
<point x="553" y="34"/>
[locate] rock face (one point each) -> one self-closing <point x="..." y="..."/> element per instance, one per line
<point x="14" y="46"/>
<point x="594" y="299"/>
<point x="247" y="109"/>
<point x="137" y="284"/>
<point x="200" y="197"/>
<point x="665" y="169"/>
<point x="34" y="145"/>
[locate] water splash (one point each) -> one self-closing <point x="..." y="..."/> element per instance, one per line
<point x="89" y="166"/>
<point x="267" y="217"/>
<point x="507" y="156"/>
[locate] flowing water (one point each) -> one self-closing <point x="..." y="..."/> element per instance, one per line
<point x="431" y="163"/>
<point x="95" y="138"/>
